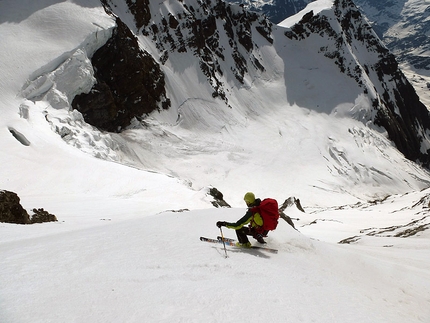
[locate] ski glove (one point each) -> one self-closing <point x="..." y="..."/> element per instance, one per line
<point x="220" y="224"/>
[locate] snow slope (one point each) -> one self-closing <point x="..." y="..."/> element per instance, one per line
<point x="28" y="169"/>
<point x="121" y="250"/>
<point x="155" y="269"/>
<point x="316" y="7"/>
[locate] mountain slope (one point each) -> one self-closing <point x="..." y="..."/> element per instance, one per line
<point x="371" y="62"/>
<point x="298" y="108"/>
<point x="255" y="67"/>
<point x="403" y="27"/>
<point x="395" y="103"/>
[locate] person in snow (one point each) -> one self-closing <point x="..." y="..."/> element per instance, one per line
<point x="252" y="217"/>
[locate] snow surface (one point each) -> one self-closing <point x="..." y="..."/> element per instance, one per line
<point x="316" y="7"/>
<point x="125" y="248"/>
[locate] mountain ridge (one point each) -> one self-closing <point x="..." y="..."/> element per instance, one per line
<point x="401" y="26"/>
<point x="403" y="121"/>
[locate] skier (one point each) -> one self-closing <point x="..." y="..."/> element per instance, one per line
<point x="255" y="220"/>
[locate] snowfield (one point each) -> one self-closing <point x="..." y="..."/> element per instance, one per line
<point x="132" y="206"/>
<point x="154" y="269"/>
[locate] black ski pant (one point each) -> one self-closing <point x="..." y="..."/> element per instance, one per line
<point x="244" y="232"/>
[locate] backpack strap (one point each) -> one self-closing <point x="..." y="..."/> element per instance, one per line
<point x="255" y="209"/>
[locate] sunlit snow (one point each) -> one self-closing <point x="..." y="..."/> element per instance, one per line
<point x="132" y="206"/>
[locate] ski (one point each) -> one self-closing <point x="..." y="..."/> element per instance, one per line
<point x="225" y="239"/>
<point x="253" y="247"/>
<point x="232" y="243"/>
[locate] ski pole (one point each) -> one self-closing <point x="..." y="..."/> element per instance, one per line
<point x="223" y="242"/>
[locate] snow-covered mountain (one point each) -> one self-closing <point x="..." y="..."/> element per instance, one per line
<point x="402" y="26"/>
<point x="221" y="71"/>
<point x="235" y="52"/>
<point x="187" y="81"/>
<point x="119" y="117"/>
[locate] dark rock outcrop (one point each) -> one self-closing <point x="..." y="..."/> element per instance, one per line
<point x="11" y="210"/>
<point x="129" y="85"/>
<point x="40" y="216"/>
<point x="197" y="30"/>
<point x="140" y="11"/>
<point x="289" y="202"/>
<point x="218" y="198"/>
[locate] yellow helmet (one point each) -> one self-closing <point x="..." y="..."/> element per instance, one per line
<point x="249" y="198"/>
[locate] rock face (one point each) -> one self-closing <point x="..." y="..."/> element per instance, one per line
<point x="40" y="216"/>
<point x="200" y="32"/>
<point x="218" y="198"/>
<point x="11" y="210"/>
<point x="129" y="84"/>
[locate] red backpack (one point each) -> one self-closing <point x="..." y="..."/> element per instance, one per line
<point x="268" y="209"/>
